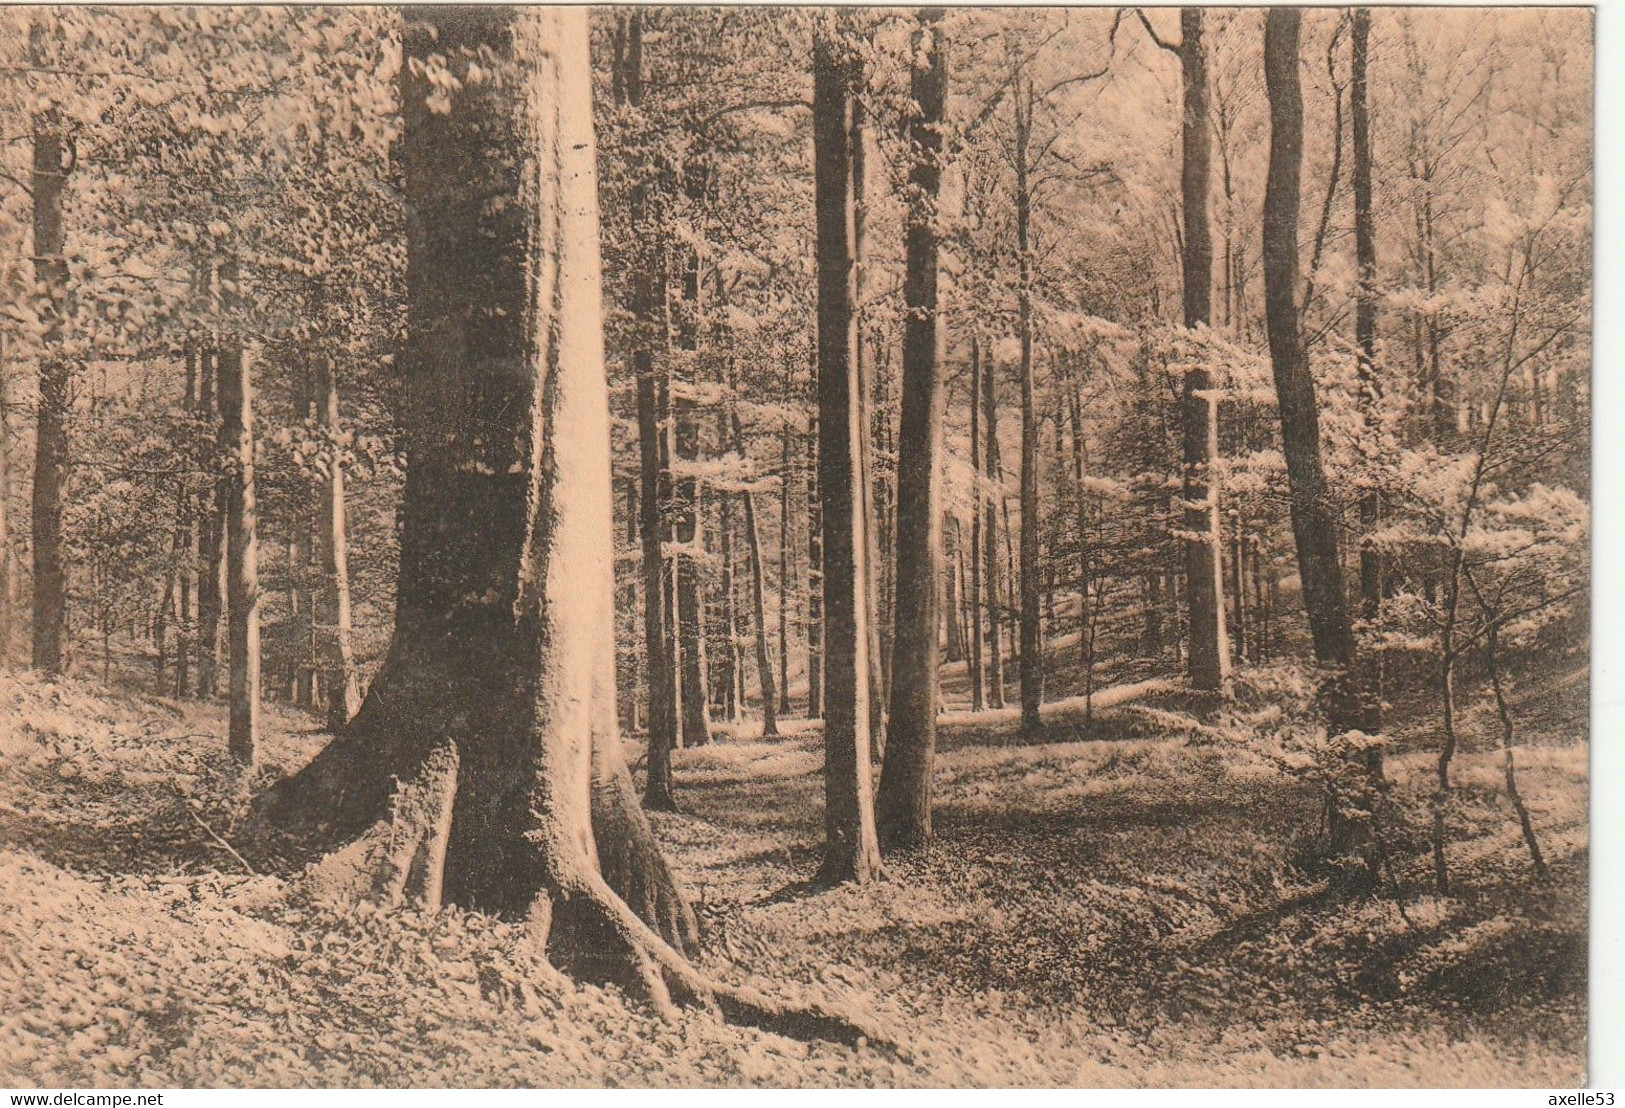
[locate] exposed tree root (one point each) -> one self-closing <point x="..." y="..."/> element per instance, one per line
<point x="675" y="975"/>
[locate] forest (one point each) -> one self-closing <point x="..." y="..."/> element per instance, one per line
<point x="673" y="546"/>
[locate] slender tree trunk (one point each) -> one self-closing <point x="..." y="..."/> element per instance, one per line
<point x="694" y="709"/>
<point x="990" y="533"/>
<point x="212" y="544"/>
<point x="758" y="599"/>
<point x="332" y="612"/>
<point x="905" y="783"/>
<point x="784" y="572"/>
<point x="953" y="601"/>
<point x="1209" y="659"/>
<point x="727" y="681"/>
<point x="53" y="160"/>
<point x="235" y="390"/>
<point x="1032" y="641"/>
<point x="878" y="649"/>
<point x="8" y="577"/>
<point x="1365" y="329"/>
<point x="851" y="850"/>
<point x="1080" y="473"/>
<point x="976" y="635"/>
<point x="1314" y="524"/>
<point x="815" y="580"/>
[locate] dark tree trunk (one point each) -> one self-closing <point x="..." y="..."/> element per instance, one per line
<point x="784" y="572"/>
<point x="905" y="783"/>
<point x="53" y="160"/>
<point x="1314" y="525"/>
<point x="851" y="851"/>
<point x="8" y="578"/>
<point x="953" y="601"/>
<point x="976" y="638"/>
<point x="993" y="498"/>
<point x="235" y="390"/>
<point x="1032" y="635"/>
<point x="1365" y="303"/>
<point x="815" y="580"/>
<point x="1209" y="659"/>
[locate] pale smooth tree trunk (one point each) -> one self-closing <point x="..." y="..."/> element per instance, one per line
<point x="851" y="848"/>
<point x="235" y="390"/>
<point x="905" y="783"/>
<point x="332" y="609"/>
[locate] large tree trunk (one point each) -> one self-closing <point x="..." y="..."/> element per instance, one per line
<point x="498" y="691"/>
<point x="1314" y="525"/>
<point x="332" y="609"/>
<point x="851" y="850"/>
<point x="53" y="161"/>
<point x="235" y="390"/>
<point x="1032" y="639"/>
<point x="1209" y="659"/>
<point x="905" y="782"/>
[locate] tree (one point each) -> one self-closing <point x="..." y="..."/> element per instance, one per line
<point x="1365" y="306"/>
<point x="54" y="158"/>
<point x="851" y="849"/>
<point x="1208" y="662"/>
<point x="905" y="783"/>
<point x="332" y="610"/>
<point x="1032" y="635"/>
<point x="1314" y="525"/>
<point x="235" y="390"/>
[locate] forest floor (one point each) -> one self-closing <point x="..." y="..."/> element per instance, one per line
<point x="1120" y="904"/>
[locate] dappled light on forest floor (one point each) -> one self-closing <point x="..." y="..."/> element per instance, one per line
<point x="1102" y="911"/>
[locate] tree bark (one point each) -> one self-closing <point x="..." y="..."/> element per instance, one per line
<point x="1314" y="524"/>
<point x="235" y="390"/>
<point x="977" y="644"/>
<point x="784" y="571"/>
<point x="499" y="685"/>
<point x="815" y="580"/>
<point x="992" y="498"/>
<point x="1032" y="640"/>
<point x="1208" y="663"/>
<point x="905" y="783"/>
<point x="53" y="161"/>
<point x="879" y="644"/>
<point x="332" y="612"/>
<point x="212" y="542"/>
<point x="758" y="594"/>
<point x="8" y="577"/>
<point x="953" y="601"/>
<point x="851" y="850"/>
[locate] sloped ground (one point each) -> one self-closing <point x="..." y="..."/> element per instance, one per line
<point x="1119" y="905"/>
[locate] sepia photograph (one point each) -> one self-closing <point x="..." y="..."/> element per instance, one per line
<point x="795" y="547"/>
